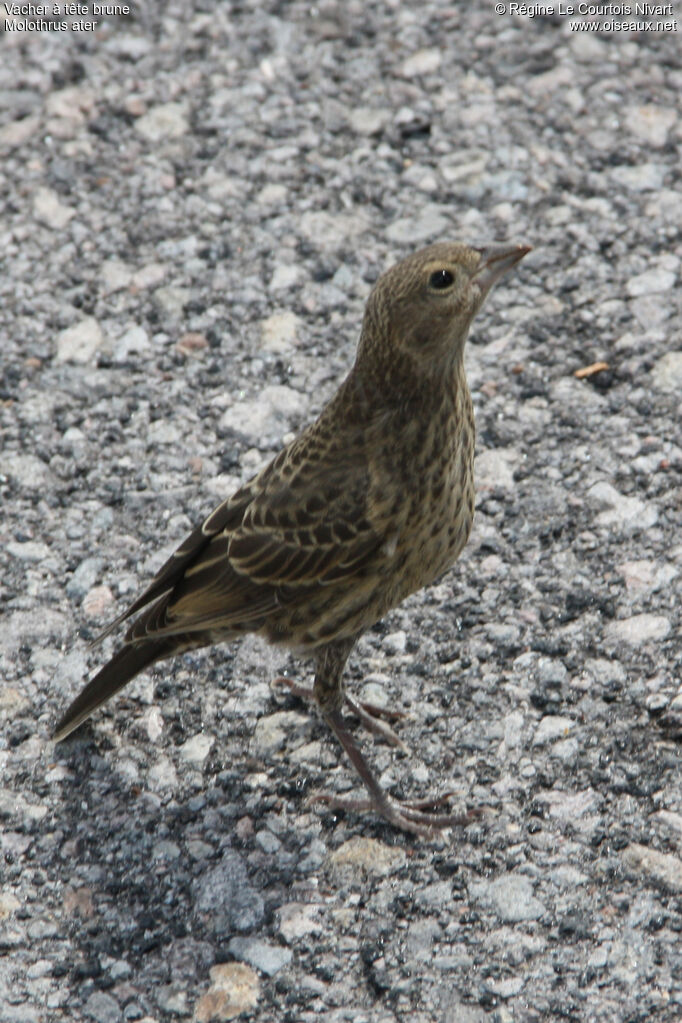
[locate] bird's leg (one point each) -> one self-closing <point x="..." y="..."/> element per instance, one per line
<point x="410" y="816"/>
<point x="328" y="693"/>
<point x="373" y="717"/>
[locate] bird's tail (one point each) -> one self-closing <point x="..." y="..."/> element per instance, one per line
<point x="122" y="667"/>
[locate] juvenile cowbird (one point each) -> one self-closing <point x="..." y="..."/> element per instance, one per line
<point x="371" y="502"/>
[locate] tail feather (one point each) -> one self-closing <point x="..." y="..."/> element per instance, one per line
<point x="123" y="666"/>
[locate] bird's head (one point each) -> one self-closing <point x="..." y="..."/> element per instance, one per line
<point x="422" y="308"/>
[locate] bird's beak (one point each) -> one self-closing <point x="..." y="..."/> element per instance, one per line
<point x="495" y="261"/>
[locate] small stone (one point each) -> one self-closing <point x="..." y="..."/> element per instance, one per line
<point x="29" y="550"/>
<point x="28" y="471"/>
<point x="196" y="749"/>
<point x="84" y="578"/>
<point x="661" y="867"/>
<point x="432" y="220"/>
<point x="651" y="282"/>
<point x="234" y="989"/>
<point x="269" y="415"/>
<point x="395" y="642"/>
<point x="80" y="343"/>
<point x="103" y="1008"/>
<point x="495" y="468"/>
<point x="666" y="374"/>
<point x="50" y="211"/>
<point x="279" y="332"/>
<point x="510" y="896"/>
<point x="286" y="275"/>
<point x="646" y="576"/>
<point x="172" y="999"/>
<point x="115" y="276"/>
<point x="262" y="955"/>
<point x="368" y="121"/>
<point x="191" y="343"/>
<point x="98" y="600"/>
<point x="423" y="62"/>
<point x="274" y="731"/>
<point x="569" y="806"/>
<point x="297" y="919"/>
<point x="268" y="842"/>
<point x="227" y="898"/>
<point x="629" y="514"/>
<point x="552" y="727"/>
<point x="506" y="987"/>
<point x="165" y="121"/>
<point x="672" y="822"/>
<point x="643" y="628"/>
<point x="149" y="276"/>
<point x="162" y="775"/>
<point x="172" y="300"/>
<point x="643" y="177"/>
<point x="367" y="855"/>
<point x="650" y="123"/>
<point x="16" y="133"/>
<point x="136" y="340"/>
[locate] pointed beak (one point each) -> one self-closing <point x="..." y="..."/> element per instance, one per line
<point x="495" y="261"/>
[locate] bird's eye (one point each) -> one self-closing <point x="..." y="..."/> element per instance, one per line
<point x="441" y="279"/>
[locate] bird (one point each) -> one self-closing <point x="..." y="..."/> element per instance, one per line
<point x="369" y="503"/>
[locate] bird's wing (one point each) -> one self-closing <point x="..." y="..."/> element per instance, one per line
<point x="293" y="528"/>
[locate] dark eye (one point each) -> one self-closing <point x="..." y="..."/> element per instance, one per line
<point x="441" y="279"/>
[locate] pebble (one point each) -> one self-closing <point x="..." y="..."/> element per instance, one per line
<point x="298" y="919"/>
<point x="651" y="282"/>
<point x="642" y="628"/>
<point x="115" y="275"/>
<point x="275" y="731"/>
<point x="29" y="550"/>
<point x="165" y="121"/>
<point x="234" y="989"/>
<point x="135" y="341"/>
<point x="50" y="211"/>
<point x="80" y="343"/>
<point x="510" y="896"/>
<point x="368" y="121"/>
<point x="29" y="471"/>
<point x="196" y="749"/>
<point x="552" y="727"/>
<point x="279" y="332"/>
<point x="569" y="806"/>
<point x="101" y="1007"/>
<point x="285" y="275"/>
<point x="646" y="576"/>
<point x="18" y="132"/>
<point x="162" y="775"/>
<point x="395" y="642"/>
<point x="227" y="897"/>
<point x="666" y="373"/>
<point x="663" y="868"/>
<point x="268" y="415"/>
<point x="264" y="956"/>
<point x="494" y="468"/>
<point x="643" y="177"/>
<point x="98" y="600"/>
<point x="365" y="855"/>
<point x="629" y="514"/>
<point x="423" y="62"/>
<point x="650" y="122"/>
<point x="431" y="221"/>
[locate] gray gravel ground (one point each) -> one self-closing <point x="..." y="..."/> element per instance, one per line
<point x="196" y="199"/>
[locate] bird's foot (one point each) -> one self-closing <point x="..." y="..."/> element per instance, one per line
<point x="411" y="815"/>
<point x="374" y="717"/>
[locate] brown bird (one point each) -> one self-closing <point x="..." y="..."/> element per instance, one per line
<point x="372" y="501"/>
